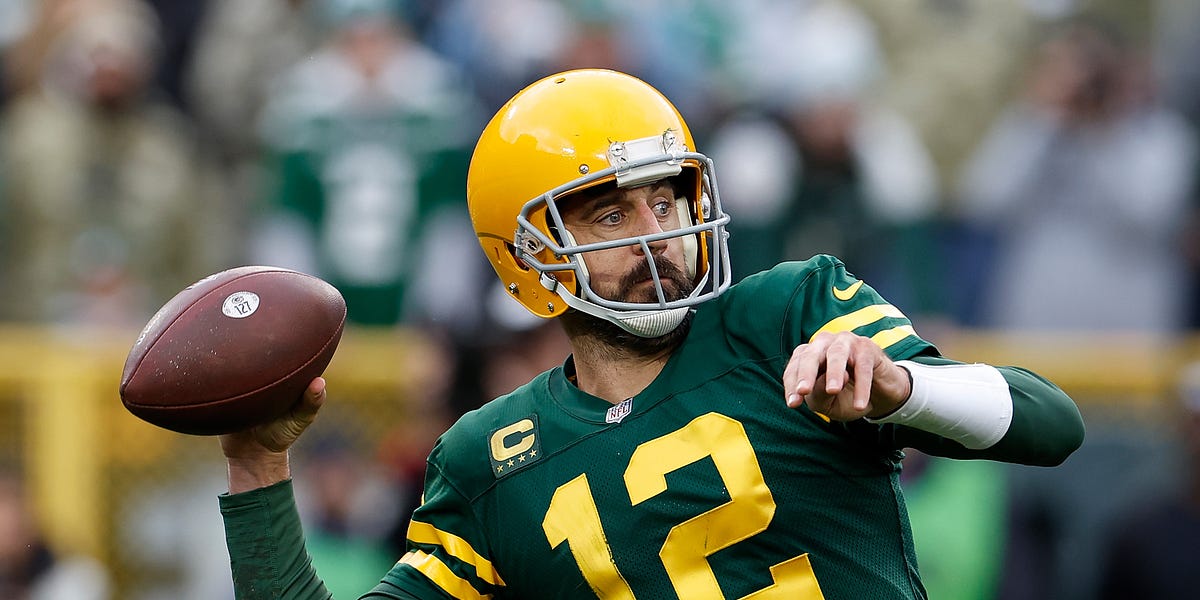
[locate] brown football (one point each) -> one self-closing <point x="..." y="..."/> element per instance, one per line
<point x="233" y="350"/>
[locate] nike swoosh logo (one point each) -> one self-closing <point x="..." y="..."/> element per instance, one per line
<point x="847" y="293"/>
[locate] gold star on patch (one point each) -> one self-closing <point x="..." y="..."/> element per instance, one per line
<point x="499" y="468"/>
<point x="521" y="458"/>
<point x="510" y="462"/>
<point x="532" y="453"/>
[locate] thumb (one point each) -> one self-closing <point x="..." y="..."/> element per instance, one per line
<point x="280" y="434"/>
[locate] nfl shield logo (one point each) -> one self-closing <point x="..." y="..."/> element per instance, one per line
<point x="618" y="412"/>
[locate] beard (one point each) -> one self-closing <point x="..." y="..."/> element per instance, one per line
<point x="676" y="286"/>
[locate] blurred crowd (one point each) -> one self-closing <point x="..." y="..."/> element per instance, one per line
<point x="1007" y="164"/>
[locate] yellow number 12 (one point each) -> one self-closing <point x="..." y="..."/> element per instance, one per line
<point x="573" y="517"/>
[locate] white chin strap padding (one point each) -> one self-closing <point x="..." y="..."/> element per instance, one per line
<point x="642" y="323"/>
<point x="650" y="324"/>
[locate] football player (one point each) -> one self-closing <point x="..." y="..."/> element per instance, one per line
<point x="703" y="440"/>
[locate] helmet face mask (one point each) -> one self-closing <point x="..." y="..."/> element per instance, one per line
<point x="628" y="136"/>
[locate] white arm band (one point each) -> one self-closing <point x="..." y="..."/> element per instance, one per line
<point x="969" y="404"/>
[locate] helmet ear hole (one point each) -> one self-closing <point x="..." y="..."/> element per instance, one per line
<point x="511" y="257"/>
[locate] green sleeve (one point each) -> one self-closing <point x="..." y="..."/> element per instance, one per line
<point x="1046" y="425"/>
<point x="267" y="552"/>
<point x="266" y="546"/>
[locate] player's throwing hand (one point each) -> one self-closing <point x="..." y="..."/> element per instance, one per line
<point x="845" y="376"/>
<point x="258" y="456"/>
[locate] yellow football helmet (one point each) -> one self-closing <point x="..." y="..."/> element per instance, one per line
<point x="573" y="131"/>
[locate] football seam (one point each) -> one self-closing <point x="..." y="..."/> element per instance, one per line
<point x="336" y="336"/>
<point x="137" y="367"/>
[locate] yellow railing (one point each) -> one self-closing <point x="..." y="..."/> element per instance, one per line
<point x="59" y="391"/>
<point x="70" y="434"/>
<point x="1094" y="367"/>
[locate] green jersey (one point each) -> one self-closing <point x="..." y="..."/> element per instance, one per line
<point x="705" y="484"/>
<point x="367" y="170"/>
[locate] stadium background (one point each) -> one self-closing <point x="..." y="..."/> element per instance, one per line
<point x="137" y="504"/>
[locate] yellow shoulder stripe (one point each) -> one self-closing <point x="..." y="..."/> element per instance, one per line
<point x="424" y="533"/>
<point x="887" y="337"/>
<point x="858" y="318"/>
<point x="440" y="574"/>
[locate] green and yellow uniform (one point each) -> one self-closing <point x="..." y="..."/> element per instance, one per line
<point x="704" y="485"/>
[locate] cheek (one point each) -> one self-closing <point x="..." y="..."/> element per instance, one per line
<point x="602" y="264"/>
<point x="675" y="248"/>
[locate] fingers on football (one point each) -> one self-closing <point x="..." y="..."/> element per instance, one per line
<point x="314" y="395"/>
<point x="282" y="433"/>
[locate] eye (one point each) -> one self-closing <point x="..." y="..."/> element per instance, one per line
<point x="664" y="209"/>
<point x="613" y="218"/>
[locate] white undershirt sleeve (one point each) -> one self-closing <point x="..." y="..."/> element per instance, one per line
<point x="970" y="404"/>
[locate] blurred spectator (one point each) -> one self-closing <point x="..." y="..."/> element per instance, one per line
<point x="30" y="30"/>
<point x="179" y="23"/>
<point x="1177" y="48"/>
<point x="241" y="46"/>
<point x="596" y="41"/>
<point x="15" y="18"/>
<point x="682" y="57"/>
<point x="1152" y="553"/>
<point x="347" y="508"/>
<point x="503" y="46"/>
<point x="107" y="209"/>
<point x="164" y="532"/>
<point x="1083" y="184"/>
<point x="1079" y="193"/>
<point x="820" y="168"/>
<point x="29" y="570"/>
<point x="952" y="65"/>
<point x="676" y="46"/>
<point x="369" y="139"/>
<point x="1178" y="44"/>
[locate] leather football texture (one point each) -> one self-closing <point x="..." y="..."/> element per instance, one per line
<point x="233" y="350"/>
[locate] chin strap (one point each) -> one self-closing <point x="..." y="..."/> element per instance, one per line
<point x="642" y="323"/>
<point x="650" y="324"/>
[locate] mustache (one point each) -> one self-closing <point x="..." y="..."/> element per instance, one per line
<point x="668" y="272"/>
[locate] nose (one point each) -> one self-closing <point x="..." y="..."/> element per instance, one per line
<point x="649" y="224"/>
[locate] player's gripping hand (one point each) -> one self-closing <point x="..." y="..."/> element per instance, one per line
<point x="257" y="457"/>
<point x="845" y="376"/>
